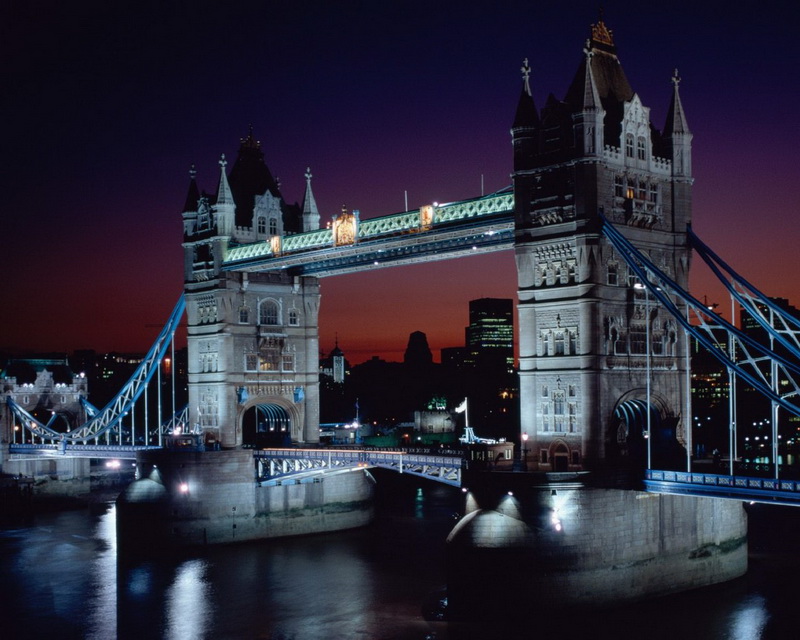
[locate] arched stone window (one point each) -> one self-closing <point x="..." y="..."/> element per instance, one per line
<point x="273" y="226"/>
<point x="268" y="313"/>
<point x="262" y="225"/>
<point x="629" y="145"/>
<point x="641" y="148"/>
<point x="294" y="317"/>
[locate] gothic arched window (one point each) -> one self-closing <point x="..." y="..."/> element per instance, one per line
<point x="268" y="312"/>
<point x="629" y="145"/>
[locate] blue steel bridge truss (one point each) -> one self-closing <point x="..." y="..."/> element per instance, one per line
<point x="773" y="374"/>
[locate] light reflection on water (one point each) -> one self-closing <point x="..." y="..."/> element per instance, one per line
<point x="60" y="578"/>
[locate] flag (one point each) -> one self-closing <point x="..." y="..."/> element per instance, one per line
<point x="462" y="407"/>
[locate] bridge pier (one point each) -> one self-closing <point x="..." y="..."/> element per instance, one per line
<point x="53" y="477"/>
<point x="530" y="543"/>
<point x="190" y="498"/>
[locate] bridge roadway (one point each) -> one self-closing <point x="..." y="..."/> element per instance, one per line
<point x="297" y="465"/>
<point x="279" y="466"/>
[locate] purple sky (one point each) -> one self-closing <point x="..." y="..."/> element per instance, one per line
<point x="108" y="104"/>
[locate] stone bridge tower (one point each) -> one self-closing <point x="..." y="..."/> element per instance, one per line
<point x="252" y="337"/>
<point x="583" y="319"/>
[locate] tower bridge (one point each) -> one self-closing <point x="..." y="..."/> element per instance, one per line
<point x="598" y="218"/>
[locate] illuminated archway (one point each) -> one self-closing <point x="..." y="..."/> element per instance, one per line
<point x="266" y="424"/>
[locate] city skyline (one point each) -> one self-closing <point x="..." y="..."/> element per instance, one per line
<point x="110" y="109"/>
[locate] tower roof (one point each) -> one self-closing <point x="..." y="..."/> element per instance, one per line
<point x="610" y="81"/>
<point x="250" y="177"/>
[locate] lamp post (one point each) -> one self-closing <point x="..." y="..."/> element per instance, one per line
<point x="524" y="452"/>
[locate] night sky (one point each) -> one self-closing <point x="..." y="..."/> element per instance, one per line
<point x="107" y="105"/>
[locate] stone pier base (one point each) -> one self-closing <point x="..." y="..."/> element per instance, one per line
<point x="199" y="498"/>
<point x="532" y="548"/>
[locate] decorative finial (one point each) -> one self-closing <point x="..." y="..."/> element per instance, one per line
<point x="587" y="49"/>
<point x="308" y="175"/>
<point x="222" y="161"/>
<point x="192" y="172"/>
<point x="676" y="79"/>
<point x="526" y="74"/>
<point x="344" y="210"/>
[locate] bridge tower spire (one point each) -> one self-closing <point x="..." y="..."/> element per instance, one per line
<point x="310" y="211"/>
<point x="225" y="207"/>
<point x="583" y="323"/>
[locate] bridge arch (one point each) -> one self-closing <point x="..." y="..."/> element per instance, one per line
<point x="628" y="435"/>
<point x="269" y="421"/>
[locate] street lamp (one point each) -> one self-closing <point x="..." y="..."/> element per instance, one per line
<point x="525" y="451"/>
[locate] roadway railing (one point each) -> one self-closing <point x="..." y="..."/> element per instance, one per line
<point x="66" y="450"/>
<point x="281" y="466"/>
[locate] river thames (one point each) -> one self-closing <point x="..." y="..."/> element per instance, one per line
<point x="60" y="577"/>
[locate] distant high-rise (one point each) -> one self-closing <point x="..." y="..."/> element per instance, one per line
<point x="489" y="337"/>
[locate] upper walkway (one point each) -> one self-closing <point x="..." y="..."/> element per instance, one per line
<point x="433" y="232"/>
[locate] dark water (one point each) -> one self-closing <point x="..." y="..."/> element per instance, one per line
<point x="60" y="578"/>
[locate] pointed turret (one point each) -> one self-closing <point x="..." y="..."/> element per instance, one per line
<point x="677" y="137"/>
<point x="310" y="211"/>
<point x="189" y="213"/>
<point x="524" y="131"/>
<point x="589" y="118"/>
<point x="225" y="207"/>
